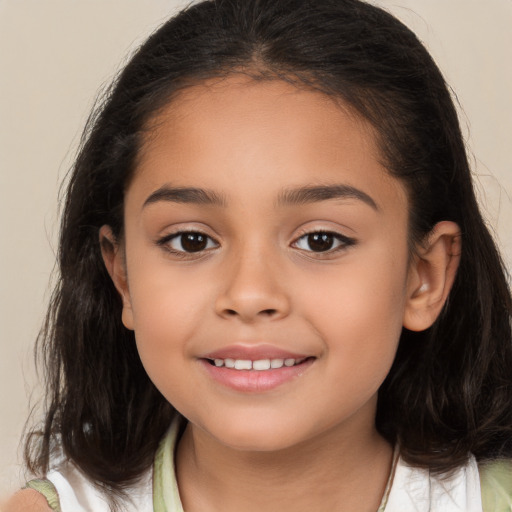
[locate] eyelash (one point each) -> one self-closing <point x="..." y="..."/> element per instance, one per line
<point x="165" y="242"/>
<point x="344" y="242"/>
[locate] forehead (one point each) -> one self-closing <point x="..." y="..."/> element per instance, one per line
<point x="219" y="107"/>
<point x="221" y="132"/>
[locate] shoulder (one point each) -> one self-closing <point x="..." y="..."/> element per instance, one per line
<point x="27" y="500"/>
<point x="496" y="482"/>
<point x="497" y="470"/>
<point x="448" y="492"/>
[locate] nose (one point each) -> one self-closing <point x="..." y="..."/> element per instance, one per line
<point x="253" y="289"/>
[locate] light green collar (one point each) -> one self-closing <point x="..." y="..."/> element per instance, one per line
<point x="166" y="497"/>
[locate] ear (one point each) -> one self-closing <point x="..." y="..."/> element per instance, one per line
<point x="431" y="276"/>
<point x="113" y="257"/>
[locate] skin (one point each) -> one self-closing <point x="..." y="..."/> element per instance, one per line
<point x="27" y="500"/>
<point x="310" y="443"/>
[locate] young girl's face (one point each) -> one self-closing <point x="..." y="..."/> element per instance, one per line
<point x="262" y="230"/>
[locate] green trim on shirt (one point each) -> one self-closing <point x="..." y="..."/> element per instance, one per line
<point x="47" y="489"/>
<point x="166" y="496"/>
<point x="496" y="485"/>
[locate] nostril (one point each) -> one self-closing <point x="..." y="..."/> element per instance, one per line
<point x="263" y="312"/>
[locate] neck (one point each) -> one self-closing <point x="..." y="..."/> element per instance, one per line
<point x="341" y="470"/>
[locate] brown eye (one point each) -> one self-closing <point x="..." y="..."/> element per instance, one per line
<point x="190" y="242"/>
<point x="193" y="242"/>
<point x="323" y="241"/>
<point x="320" y="242"/>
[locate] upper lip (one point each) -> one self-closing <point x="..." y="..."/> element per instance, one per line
<point x="253" y="353"/>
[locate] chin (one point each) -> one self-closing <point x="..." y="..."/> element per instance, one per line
<point x="256" y="436"/>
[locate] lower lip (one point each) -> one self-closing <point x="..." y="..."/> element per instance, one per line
<point x="255" y="381"/>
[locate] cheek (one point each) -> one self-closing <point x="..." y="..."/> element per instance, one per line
<point x="358" y="310"/>
<point x="168" y="309"/>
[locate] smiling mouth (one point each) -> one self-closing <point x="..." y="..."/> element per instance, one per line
<point x="254" y="373"/>
<point x="257" y="365"/>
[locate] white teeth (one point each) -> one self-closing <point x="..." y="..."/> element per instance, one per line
<point x="259" y="365"/>
<point x="262" y="364"/>
<point x="243" y="364"/>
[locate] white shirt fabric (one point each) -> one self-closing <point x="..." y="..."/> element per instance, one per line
<point x="77" y="494"/>
<point x="417" y="490"/>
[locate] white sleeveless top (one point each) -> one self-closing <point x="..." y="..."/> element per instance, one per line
<point x="409" y="489"/>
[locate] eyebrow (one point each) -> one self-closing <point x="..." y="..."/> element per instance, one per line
<point x="314" y="194"/>
<point x="295" y="196"/>
<point x="191" y="195"/>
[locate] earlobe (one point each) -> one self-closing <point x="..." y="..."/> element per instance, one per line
<point x="431" y="276"/>
<point x="114" y="263"/>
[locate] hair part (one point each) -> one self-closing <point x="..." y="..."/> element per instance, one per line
<point x="449" y="391"/>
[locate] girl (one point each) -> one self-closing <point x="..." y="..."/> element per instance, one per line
<point x="277" y="292"/>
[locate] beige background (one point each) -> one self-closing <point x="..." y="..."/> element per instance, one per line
<point x="56" y="54"/>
